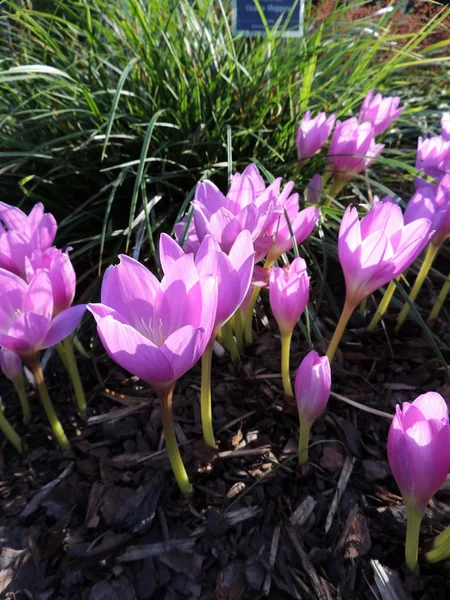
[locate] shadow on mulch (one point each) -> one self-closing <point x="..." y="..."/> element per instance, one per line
<point x="105" y="521"/>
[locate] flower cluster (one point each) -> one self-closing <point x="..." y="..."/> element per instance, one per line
<point x="227" y="250"/>
<point x="38" y="287"/>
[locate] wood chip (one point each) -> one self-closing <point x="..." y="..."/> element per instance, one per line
<point x="40" y="496"/>
<point x="272" y="558"/>
<point x="147" y="550"/>
<point x="388" y="582"/>
<point x="342" y="484"/>
<point x="320" y="586"/>
<point x="303" y="511"/>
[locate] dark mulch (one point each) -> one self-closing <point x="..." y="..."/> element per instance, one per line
<point x="106" y="522"/>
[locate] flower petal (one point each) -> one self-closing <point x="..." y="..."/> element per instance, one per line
<point x="131" y="289"/>
<point x="132" y="351"/>
<point x="169" y="251"/>
<point x="39" y="296"/>
<point x="63" y="325"/>
<point x="27" y="331"/>
<point x="433" y="406"/>
<point x="183" y="348"/>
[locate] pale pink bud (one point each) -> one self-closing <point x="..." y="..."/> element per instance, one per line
<point x="289" y="294"/>
<point x="312" y="386"/>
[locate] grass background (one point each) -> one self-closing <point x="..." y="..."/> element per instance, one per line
<point x="110" y="112"/>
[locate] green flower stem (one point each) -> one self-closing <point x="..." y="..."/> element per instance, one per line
<point x="80" y="398"/>
<point x="363" y="307"/>
<point x="238" y="330"/>
<point x="228" y="340"/>
<point x="347" y="312"/>
<point x="336" y="186"/>
<point x="442" y="538"/>
<point x="10" y="433"/>
<point x="19" y="386"/>
<point x="55" y="424"/>
<point x="440" y="301"/>
<point x="285" y="355"/>
<point x="248" y="316"/>
<point x="438" y="554"/>
<point x="413" y="521"/>
<point x="382" y="308"/>
<point x="205" y="395"/>
<point x="165" y="398"/>
<point x="426" y="266"/>
<point x="62" y="355"/>
<point x="303" y="441"/>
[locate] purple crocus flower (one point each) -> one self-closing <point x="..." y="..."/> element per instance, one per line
<point x="60" y="271"/>
<point x="378" y="248"/>
<point x="233" y="271"/>
<point x="432" y="159"/>
<point x="156" y="330"/>
<point x="380" y="111"/>
<point x="352" y="148"/>
<point x="27" y="324"/>
<point x="20" y="235"/>
<point x="313" y="133"/>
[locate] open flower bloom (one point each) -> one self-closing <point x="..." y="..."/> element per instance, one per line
<point x="156" y="330"/>
<point x="352" y="148"/>
<point x="289" y="294"/>
<point x="432" y="159"/>
<point x="26" y="315"/>
<point x="60" y="271"/>
<point x="419" y="448"/>
<point x="232" y="271"/>
<point x="378" y="248"/>
<point x="246" y="206"/>
<point x="312" y="134"/>
<point x="11" y="364"/>
<point x="312" y="386"/>
<point x="20" y="235"/>
<point x="380" y="112"/>
<point x="445" y="126"/>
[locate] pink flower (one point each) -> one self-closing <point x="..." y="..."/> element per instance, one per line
<point x="445" y="126"/>
<point x="419" y="448"/>
<point x="156" y="330"/>
<point x="378" y="248"/>
<point x="312" y="386"/>
<point x="247" y="205"/>
<point x="380" y="112"/>
<point x="11" y="365"/>
<point x="26" y="315"/>
<point x="433" y="158"/>
<point x="313" y="134"/>
<point x="352" y="148"/>
<point x="289" y="294"/>
<point x="60" y="271"/>
<point x="233" y="272"/>
<point x="20" y="235"/>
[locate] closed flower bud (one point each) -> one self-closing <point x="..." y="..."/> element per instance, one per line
<point x="312" y="386"/>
